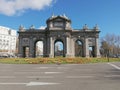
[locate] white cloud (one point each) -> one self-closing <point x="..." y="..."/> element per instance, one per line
<point x="42" y="27"/>
<point x="13" y="7"/>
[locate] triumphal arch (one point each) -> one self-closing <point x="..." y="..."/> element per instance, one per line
<point x="59" y="29"/>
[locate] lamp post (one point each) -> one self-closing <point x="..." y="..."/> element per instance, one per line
<point x="108" y="53"/>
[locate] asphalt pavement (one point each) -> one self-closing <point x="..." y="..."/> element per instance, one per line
<point x="102" y="76"/>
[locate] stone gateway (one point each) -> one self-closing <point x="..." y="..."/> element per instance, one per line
<point x="59" y="29"/>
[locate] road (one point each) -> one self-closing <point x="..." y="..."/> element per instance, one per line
<point x="102" y="76"/>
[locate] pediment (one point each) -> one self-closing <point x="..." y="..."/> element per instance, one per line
<point x="61" y="22"/>
<point x="58" y="18"/>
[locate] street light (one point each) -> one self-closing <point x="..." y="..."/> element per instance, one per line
<point x="108" y="53"/>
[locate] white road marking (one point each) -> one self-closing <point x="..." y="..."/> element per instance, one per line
<point x="40" y="77"/>
<point x="53" y="72"/>
<point x="38" y="72"/>
<point x="76" y="77"/>
<point x="83" y="70"/>
<point x="51" y="67"/>
<point x="30" y="83"/>
<point x="114" y="66"/>
<point x="32" y="72"/>
<point x="62" y="68"/>
<point x="43" y="67"/>
<point x="40" y="83"/>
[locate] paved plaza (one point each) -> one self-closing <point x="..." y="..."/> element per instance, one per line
<point x="102" y="76"/>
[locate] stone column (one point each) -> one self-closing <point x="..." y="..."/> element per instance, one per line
<point x="51" y="47"/>
<point x="44" y="48"/>
<point x="97" y="52"/>
<point x="20" y="48"/>
<point x="32" y="48"/>
<point x="68" y="48"/>
<point x="72" y="47"/>
<point x="86" y="48"/>
<point x="47" y="54"/>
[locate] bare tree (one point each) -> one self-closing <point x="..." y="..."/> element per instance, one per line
<point x="110" y="44"/>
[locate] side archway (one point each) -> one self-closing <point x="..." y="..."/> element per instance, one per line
<point x="26" y="51"/>
<point x="38" y="48"/>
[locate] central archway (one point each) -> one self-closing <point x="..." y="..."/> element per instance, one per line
<point x="59" y="48"/>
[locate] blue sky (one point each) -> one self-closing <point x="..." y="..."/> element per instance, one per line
<point x="105" y="13"/>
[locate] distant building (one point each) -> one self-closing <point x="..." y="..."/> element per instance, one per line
<point x="7" y="41"/>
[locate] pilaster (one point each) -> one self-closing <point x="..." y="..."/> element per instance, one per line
<point x="97" y="52"/>
<point x="68" y="49"/>
<point x="51" y="47"/>
<point x="20" y="48"/>
<point x="86" y="48"/>
<point x="72" y="47"/>
<point x="32" y="48"/>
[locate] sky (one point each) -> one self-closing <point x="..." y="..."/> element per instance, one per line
<point x="105" y="13"/>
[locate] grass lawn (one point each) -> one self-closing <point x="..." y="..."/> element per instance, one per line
<point x="58" y="60"/>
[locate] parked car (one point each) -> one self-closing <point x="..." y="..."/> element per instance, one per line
<point x="118" y="56"/>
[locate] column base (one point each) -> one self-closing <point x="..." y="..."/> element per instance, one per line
<point x="51" y="56"/>
<point x="98" y="56"/>
<point x="20" y="55"/>
<point x="69" y="56"/>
